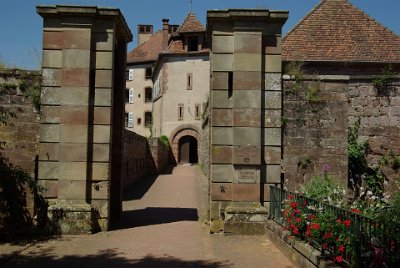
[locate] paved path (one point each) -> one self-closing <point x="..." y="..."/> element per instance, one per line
<point x="163" y="226"/>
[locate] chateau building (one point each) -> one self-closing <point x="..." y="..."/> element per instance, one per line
<point x="168" y="85"/>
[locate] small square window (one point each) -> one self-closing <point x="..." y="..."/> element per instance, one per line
<point x="139" y="120"/>
<point x="189" y="81"/>
<point x="149" y="72"/>
<point x="180" y="112"/>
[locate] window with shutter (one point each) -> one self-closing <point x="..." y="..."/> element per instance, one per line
<point x="131" y="95"/>
<point x="130" y="120"/>
<point x="130" y="75"/>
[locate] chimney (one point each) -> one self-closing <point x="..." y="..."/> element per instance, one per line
<point x="165" y="32"/>
<point x="145" y="31"/>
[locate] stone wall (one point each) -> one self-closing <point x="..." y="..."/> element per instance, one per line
<point x="142" y="158"/>
<point x="316" y="125"/>
<point x="315" y="129"/>
<point x="138" y="161"/>
<point x="380" y="120"/>
<point x="22" y="135"/>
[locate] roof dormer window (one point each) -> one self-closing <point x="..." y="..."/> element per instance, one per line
<point x="193" y="44"/>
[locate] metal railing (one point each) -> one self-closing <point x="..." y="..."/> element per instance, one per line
<point x="364" y="233"/>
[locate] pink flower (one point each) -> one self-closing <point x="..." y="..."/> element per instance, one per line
<point x="355" y="210"/>
<point x="294" y="204"/>
<point x="291" y="197"/>
<point x="325" y="246"/>
<point x="338" y="259"/>
<point x="341" y="248"/>
<point x="327" y="236"/>
<point x="347" y="223"/>
<point x="316" y="226"/>
<point x="295" y="231"/>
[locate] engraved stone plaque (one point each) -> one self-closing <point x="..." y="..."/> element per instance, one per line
<point x="247" y="174"/>
<point x="247" y="155"/>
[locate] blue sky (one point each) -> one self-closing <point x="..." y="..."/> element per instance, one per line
<point x="21" y="27"/>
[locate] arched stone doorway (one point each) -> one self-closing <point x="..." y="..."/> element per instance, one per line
<point x="188" y="150"/>
<point x="188" y="137"/>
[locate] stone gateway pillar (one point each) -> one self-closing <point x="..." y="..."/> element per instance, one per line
<point x="84" y="58"/>
<point x="246" y="104"/>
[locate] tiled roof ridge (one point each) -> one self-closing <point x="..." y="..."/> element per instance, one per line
<point x="305" y="18"/>
<point x="368" y="17"/>
<point x="191" y="13"/>
<point x="147" y="41"/>
<point x="337" y="30"/>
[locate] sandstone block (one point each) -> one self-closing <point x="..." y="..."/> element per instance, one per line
<point x="247" y="155"/>
<point x="220" y="80"/>
<point x="221" y="154"/>
<point x="246" y="192"/>
<point x="100" y="171"/>
<point x="73" y="152"/>
<point x="77" y="39"/>
<point x="221" y="99"/>
<point x="102" y="97"/>
<point x="48" y="170"/>
<point x="104" y="60"/>
<point x="48" y="151"/>
<point x="246" y="42"/>
<point x="247" y="62"/>
<point x="53" y="40"/>
<point x="103" y="78"/>
<point x="102" y="116"/>
<point x="73" y="171"/>
<point x="273" y="63"/>
<point x="50" y="114"/>
<point x="74" y="114"/>
<point x="49" y="132"/>
<point x="221" y="135"/>
<point x="51" y="77"/>
<point x="76" y="58"/>
<point x="272" y="155"/>
<point x="74" y="96"/>
<point x="247" y="99"/>
<point x="222" y="117"/>
<point x="222" y="44"/>
<point x="246" y="117"/>
<point x="222" y="62"/>
<point x="52" y="59"/>
<point x="221" y="173"/>
<point x="50" y="96"/>
<point x="76" y="77"/>
<point x="246" y="80"/>
<point x="246" y="136"/>
<point x="100" y="190"/>
<point x="74" y="133"/>
<point x="246" y="174"/>
<point x="273" y="173"/>
<point x="272" y="136"/>
<point x="101" y="134"/>
<point x="101" y="152"/>
<point x="50" y="188"/>
<point x="221" y="191"/>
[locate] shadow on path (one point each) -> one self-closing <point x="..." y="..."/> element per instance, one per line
<point x="111" y="258"/>
<point x="154" y="216"/>
<point x="137" y="190"/>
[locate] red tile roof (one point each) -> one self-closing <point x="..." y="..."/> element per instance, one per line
<point x="148" y="51"/>
<point x="190" y="25"/>
<point x="335" y="30"/>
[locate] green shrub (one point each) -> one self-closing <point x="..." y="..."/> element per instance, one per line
<point x="164" y="140"/>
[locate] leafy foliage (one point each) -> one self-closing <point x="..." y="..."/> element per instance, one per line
<point x="164" y="140"/>
<point x="383" y="84"/>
